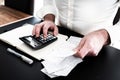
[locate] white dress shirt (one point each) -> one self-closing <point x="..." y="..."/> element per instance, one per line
<point x="85" y="16"/>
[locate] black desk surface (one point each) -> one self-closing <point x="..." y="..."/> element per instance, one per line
<point x="106" y="66"/>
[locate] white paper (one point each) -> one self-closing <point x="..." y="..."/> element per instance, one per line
<point x="74" y="40"/>
<point x="62" y="60"/>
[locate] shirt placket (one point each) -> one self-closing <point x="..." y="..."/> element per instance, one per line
<point x="70" y="13"/>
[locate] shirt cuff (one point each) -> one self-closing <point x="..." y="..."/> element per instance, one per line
<point x="46" y="10"/>
<point x="114" y="32"/>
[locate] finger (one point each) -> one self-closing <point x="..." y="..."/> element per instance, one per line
<point x="45" y="30"/>
<point x="83" y="52"/>
<point x="93" y="52"/>
<point x="38" y="29"/>
<point x="77" y="49"/>
<point x="55" y="31"/>
<point x="80" y="45"/>
<point x="87" y="50"/>
<point x="33" y="31"/>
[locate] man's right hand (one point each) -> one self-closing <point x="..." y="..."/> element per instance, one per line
<point x="45" y="26"/>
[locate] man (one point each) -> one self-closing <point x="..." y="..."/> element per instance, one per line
<point x="91" y="18"/>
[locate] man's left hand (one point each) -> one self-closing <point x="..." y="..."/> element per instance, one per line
<point x="92" y="43"/>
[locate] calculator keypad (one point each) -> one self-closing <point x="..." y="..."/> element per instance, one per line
<point x="47" y="39"/>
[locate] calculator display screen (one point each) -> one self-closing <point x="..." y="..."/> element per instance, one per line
<point x="32" y="41"/>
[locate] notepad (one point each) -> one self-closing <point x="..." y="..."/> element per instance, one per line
<point x="12" y="37"/>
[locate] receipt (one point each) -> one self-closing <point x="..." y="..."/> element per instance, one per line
<point x="61" y="61"/>
<point x="60" y="69"/>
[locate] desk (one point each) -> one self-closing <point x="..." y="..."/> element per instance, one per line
<point x="9" y="15"/>
<point x="106" y="66"/>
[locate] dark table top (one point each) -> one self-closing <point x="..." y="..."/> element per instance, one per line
<point x="106" y="66"/>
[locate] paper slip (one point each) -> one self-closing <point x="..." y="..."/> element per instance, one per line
<point x="61" y="61"/>
<point x="63" y="68"/>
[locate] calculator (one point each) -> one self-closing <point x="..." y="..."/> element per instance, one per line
<point x="38" y="42"/>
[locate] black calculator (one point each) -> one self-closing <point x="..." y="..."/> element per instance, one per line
<point x="38" y="42"/>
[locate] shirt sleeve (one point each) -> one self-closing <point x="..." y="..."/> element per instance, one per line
<point x="119" y="3"/>
<point x="114" y="33"/>
<point x="49" y="7"/>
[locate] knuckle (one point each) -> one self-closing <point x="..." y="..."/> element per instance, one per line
<point x="79" y="54"/>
